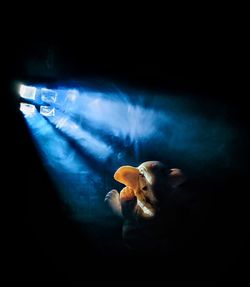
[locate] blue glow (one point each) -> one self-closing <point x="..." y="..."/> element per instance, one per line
<point x="55" y="150"/>
<point x="85" y="135"/>
<point x="83" y="138"/>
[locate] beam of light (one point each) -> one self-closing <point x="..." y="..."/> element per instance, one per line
<point x="71" y="174"/>
<point x="88" y="142"/>
<point x="114" y="113"/>
<point x="123" y="120"/>
<point x="54" y="149"/>
<point x="164" y="123"/>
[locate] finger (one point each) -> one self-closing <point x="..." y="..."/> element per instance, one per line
<point x="112" y="193"/>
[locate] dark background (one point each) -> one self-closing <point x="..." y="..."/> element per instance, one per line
<point x="44" y="245"/>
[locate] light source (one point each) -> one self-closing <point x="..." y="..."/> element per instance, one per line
<point x="27" y="109"/>
<point x="47" y="111"/>
<point x="48" y="96"/>
<point x="27" y="92"/>
<point x="36" y="98"/>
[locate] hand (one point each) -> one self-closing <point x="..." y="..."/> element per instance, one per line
<point x="112" y="198"/>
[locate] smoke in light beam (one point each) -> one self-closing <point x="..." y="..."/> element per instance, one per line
<point x="99" y="120"/>
<point x="84" y="135"/>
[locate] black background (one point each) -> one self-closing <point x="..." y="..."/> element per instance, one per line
<point x="203" y="64"/>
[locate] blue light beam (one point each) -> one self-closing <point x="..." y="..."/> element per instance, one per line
<point x="84" y="134"/>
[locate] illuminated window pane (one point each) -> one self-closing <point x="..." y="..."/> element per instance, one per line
<point x="27" y="92"/>
<point x="27" y="109"/>
<point x="48" y="96"/>
<point x="47" y="111"/>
